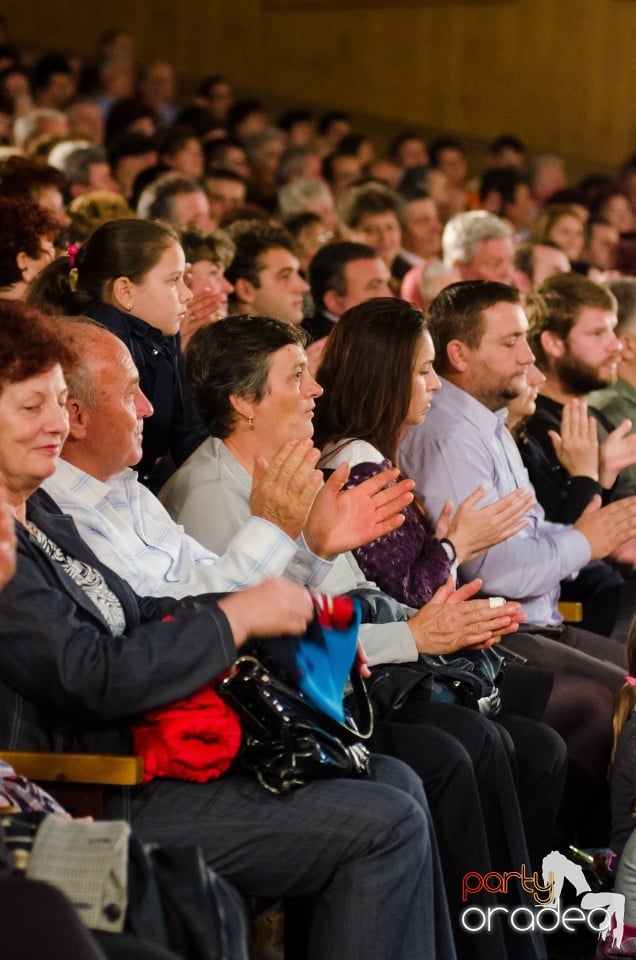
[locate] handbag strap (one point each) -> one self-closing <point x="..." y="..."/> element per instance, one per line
<point x="360" y="730"/>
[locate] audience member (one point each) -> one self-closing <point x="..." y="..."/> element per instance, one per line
<point x="130" y="154"/>
<point x="208" y="256"/>
<point x="421" y="226"/>
<point x="158" y="88"/>
<point x="176" y="200"/>
<point x="548" y="176"/>
<point x="226" y="190"/>
<point x="572" y="333"/>
<point x="479" y="246"/>
<point x="178" y="149"/>
<point x="561" y="223"/>
<point x="90" y="210"/>
<point x="313" y="196"/>
<point x="340" y="276"/>
<point x="265" y="272"/>
<point x="129" y="276"/>
<point x="227" y="154"/>
<point x="601" y="241"/>
<point x="86" y="169"/>
<point x="108" y="655"/>
<point x="371" y="214"/>
<point x="506" y="152"/>
<point x="215" y="94"/>
<point x="506" y="192"/>
<point x="408" y="150"/>
<point x="536" y="262"/>
<point x="28" y="244"/>
<point x="448" y="155"/>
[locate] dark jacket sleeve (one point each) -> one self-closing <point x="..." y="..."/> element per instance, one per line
<point x="563" y="498"/>
<point x="410" y="563"/>
<point x="55" y="651"/>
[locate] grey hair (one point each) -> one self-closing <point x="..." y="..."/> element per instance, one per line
<point x="80" y="380"/>
<point x="26" y="127"/>
<point x="155" y="201"/>
<point x="464" y="231"/>
<point x="294" y="196"/>
<point x="76" y="163"/>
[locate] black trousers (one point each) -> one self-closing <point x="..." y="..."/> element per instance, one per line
<point x="463" y="760"/>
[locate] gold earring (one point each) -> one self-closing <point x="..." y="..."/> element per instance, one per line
<point x="250" y="423"/>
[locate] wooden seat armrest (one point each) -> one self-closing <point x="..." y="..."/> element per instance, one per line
<point x="106" y="769"/>
<point x="571" y="611"/>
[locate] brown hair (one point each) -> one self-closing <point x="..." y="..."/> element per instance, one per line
<point x="119" y="248"/>
<point x="547" y="218"/>
<point x="30" y="343"/>
<point x="23" y="225"/>
<point x="456" y="314"/>
<point x="366" y="372"/>
<point x="556" y="305"/>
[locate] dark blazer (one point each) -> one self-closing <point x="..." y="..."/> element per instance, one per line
<point x="176" y="427"/>
<point x="318" y="326"/>
<point x="65" y="682"/>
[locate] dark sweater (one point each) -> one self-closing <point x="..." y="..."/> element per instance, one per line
<point x="175" y="428"/>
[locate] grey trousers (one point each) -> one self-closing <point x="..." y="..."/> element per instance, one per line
<point x="364" y="850"/>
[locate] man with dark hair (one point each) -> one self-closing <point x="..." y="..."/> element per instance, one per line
<point x="53" y="83"/>
<point x="448" y="155"/>
<point x="371" y="214"/>
<point x="506" y="193"/>
<point x="226" y="190"/>
<point x="601" y="241"/>
<point x="341" y="171"/>
<point x="535" y="262"/>
<point x="506" y="152"/>
<point x="408" y="150"/>
<point x="129" y="155"/>
<point x="332" y="127"/>
<point x="246" y="117"/>
<point x="226" y="153"/>
<point x="265" y="272"/>
<point x="342" y="275"/>
<point x="479" y="332"/>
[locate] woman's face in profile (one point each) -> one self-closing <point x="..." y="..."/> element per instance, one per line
<point x="525" y="403"/>
<point x="160" y="299"/>
<point x="567" y="231"/>
<point x="33" y="428"/>
<point x="424" y="382"/>
<point x="286" y="411"/>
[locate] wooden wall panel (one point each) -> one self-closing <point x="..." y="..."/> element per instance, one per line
<point x="560" y="73"/>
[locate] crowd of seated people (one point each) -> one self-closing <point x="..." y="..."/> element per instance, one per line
<point x="188" y="286"/>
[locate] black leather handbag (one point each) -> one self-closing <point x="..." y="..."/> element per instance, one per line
<point x="287" y="741"/>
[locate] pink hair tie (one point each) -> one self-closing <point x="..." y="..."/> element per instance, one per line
<point x="72" y="251"/>
<point x="631" y="681"/>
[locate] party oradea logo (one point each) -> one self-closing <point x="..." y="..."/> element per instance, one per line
<point x="603" y="912"/>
